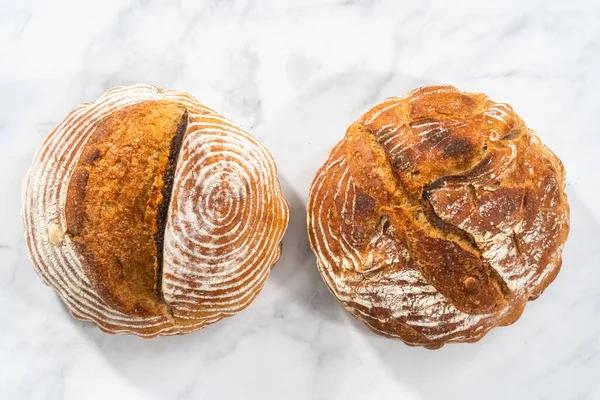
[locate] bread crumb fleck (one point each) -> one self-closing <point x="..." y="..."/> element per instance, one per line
<point x="55" y="235"/>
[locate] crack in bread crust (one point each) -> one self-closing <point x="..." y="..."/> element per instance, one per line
<point x="462" y="184"/>
<point x="163" y="208"/>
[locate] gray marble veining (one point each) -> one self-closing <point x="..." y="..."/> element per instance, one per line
<point x="297" y="73"/>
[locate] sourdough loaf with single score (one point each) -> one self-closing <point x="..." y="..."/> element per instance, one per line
<point x="151" y="214"/>
<point x="438" y="216"/>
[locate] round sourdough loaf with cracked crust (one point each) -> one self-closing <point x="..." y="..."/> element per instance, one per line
<point x="438" y="216"/>
<point x="151" y="214"/>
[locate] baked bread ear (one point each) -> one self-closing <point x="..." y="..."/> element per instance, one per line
<point x="151" y="214"/>
<point x="438" y="216"/>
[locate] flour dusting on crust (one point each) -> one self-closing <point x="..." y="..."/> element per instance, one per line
<point x="476" y="200"/>
<point x="215" y="258"/>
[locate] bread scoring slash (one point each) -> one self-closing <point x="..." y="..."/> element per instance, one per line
<point x="151" y="214"/>
<point x="438" y="216"/>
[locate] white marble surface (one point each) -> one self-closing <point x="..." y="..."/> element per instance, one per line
<point x="297" y="73"/>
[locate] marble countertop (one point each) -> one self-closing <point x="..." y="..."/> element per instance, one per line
<point x="296" y="73"/>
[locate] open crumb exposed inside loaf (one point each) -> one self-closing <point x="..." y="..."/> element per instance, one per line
<point x="118" y="200"/>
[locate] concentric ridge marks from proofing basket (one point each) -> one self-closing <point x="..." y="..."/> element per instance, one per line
<point x="236" y="238"/>
<point x="58" y="261"/>
<point x="438" y="216"/>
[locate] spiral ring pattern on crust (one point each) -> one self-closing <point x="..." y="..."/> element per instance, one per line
<point x="248" y="184"/>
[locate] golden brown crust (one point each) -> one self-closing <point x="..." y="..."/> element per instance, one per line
<point x="113" y="201"/>
<point x="439" y="213"/>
